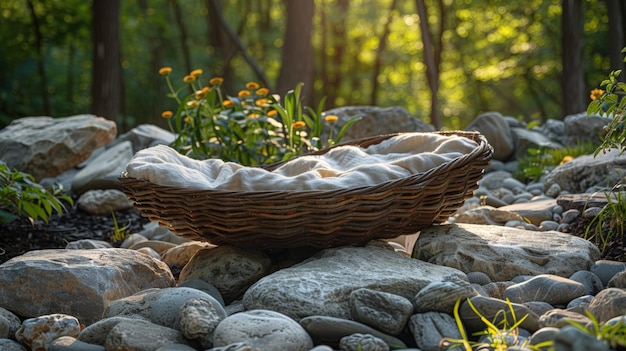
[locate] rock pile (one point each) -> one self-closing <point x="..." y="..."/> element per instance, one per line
<point x="159" y="291"/>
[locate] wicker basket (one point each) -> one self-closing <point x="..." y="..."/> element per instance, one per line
<point x="320" y="219"/>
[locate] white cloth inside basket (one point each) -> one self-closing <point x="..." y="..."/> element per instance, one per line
<point x="340" y="168"/>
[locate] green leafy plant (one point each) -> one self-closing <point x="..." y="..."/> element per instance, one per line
<point x="119" y="233"/>
<point x="609" y="102"/>
<point x="613" y="333"/>
<point x="500" y="335"/>
<point x="610" y="223"/>
<point x="252" y="127"/>
<point x="22" y="197"/>
<point x="539" y="161"/>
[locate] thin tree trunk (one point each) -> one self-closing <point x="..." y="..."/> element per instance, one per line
<point x="616" y="34"/>
<point x="432" y="65"/>
<point x="184" y="37"/>
<point x="219" y="16"/>
<point x="574" y="93"/>
<point x="297" y="52"/>
<point x="382" y="45"/>
<point x="40" y="59"/>
<point x="107" y="73"/>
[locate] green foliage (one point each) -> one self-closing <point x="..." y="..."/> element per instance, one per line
<point x="252" y="128"/>
<point x="539" y="161"/>
<point x="610" y="223"/>
<point x="612" y="332"/>
<point x="497" y="56"/>
<point x="119" y="233"/>
<point x="610" y="102"/>
<point x="500" y="335"/>
<point x="22" y="197"/>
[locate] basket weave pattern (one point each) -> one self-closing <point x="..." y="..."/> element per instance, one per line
<point x="320" y="219"/>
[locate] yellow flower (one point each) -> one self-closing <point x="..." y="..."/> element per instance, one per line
<point x="167" y="114"/>
<point x="298" y="124"/>
<point x="189" y="79"/>
<point x="164" y="71"/>
<point x="228" y="104"/>
<point x="331" y="118"/>
<point x="243" y="93"/>
<point x="216" y="81"/>
<point x="272" y="113"/>
<point x="201" y="93"/>
<point x="192" y="103"/>
<point x="596" y="94"/>
<point x="262" y="92"/>
<point x="262" y="102"/>
<point x="196" y="73"/>
<point x="252" y="85"/>
<point x="566" y="159"/>
<point x="254" y="115"/>
<point x="187" y="119"/>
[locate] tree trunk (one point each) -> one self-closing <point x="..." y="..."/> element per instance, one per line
<point x="184" y="42"/>
<point x="616" y="34"/>
<point x="227" y="34"/>
<point x="297" y="53"/>
<point x="575" y="95"/>
<point x="432" y="59"/>
<point x="382" y="44"/>
<point x="107" y="74"/>
<point x="40" y="59"/>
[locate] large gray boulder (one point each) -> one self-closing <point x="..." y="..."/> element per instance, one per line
<point x="495" y="128"/>
<point x="322" y="284"/>
<point x="587" y="173"/>
<point x="504" y="253"/>
<point x="47" y="147"/>
<point x="80" y="283"/>
<point x="377" y="121"/>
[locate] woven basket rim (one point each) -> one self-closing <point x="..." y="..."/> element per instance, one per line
<point x="482" y="147"/>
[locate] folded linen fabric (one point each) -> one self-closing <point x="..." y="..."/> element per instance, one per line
<point x="340" y="168"/>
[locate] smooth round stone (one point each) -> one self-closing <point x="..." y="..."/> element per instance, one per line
<point x="11" y="345"/>
<point x="533" y="187"/>
<point x="198" y="320"/>
<point x="543" y="335"/>
<point x="491" y="309"/>
<point x="590" y="280"/>
<point x="559" y="318"/>
<point x="563" y="228"/>
<point x="539" y="307"/>
<point x="384" y="311"/>
<point x="263" y="329"/>
<point x="608" y="303"/>
<point x="553" y="191"/>
<point x="479" y="278"/>
<point x="68" y="343"/>
<point x="606" y="270"/>
<point x="591" y="212"/>
<point x="570" y="338"/>
<point x="580" y="303"/>
<point x="522" y="197"/>
<point x="557" y="217"/>
<point x="548" y="225"/>
<point x="495" y="202"/>
<point x="54" y="325"/>
<point x="362" y="342"/>
<point x="132" y="240"/>
<point x="88" y="244"/>
<point x="570" y="216"/>
<point x="329" y="331"/>
<point x="205" y="286"/>
<point x="558" y="209"/>
<point x="548" y="288"/>
<point x="442" y="296"/>
<point x="618" y="280"/>
<point x="513" y="184"/>
<point x="429" y="328"/>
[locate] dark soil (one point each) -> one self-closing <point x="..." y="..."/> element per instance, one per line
<point x="18" y="237"/>
<point x="21" y="236"/>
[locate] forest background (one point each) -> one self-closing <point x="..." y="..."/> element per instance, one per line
<point x="445" y="61"/>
